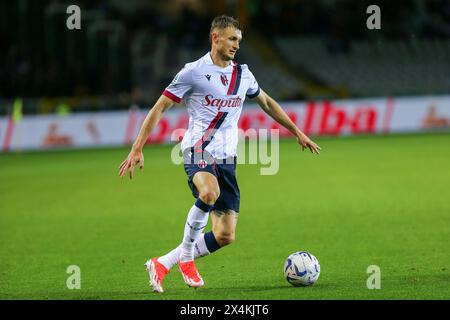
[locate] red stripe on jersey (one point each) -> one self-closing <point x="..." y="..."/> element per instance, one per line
<point x="208" y="132"/>
<point x="171" y="96"/>
<point x="233" y="79"/>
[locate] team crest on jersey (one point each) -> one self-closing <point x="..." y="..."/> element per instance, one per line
<point x="224" y="79"/>
<point x="202" y="164"/>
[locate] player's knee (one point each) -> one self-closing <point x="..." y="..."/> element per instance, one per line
<point x="208" y="196"/>
<point x="225" y="238"/>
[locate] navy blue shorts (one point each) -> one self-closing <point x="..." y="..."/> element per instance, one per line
<point x="225" y="172"/>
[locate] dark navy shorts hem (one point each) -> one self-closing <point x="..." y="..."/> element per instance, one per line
<point x="225" y="172"/>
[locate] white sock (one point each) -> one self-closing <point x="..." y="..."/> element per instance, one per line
<point x="195" y="223"/>
<point x="171" y="259"/>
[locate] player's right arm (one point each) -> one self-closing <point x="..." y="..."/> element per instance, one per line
<point x="151" y="120"/>
<point x="181" y="84"/>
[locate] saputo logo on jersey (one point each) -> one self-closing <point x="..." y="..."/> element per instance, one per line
<point x="221" y="103"/>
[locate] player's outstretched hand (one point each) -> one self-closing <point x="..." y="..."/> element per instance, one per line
<point x="134" y="157"/>
<point x="306" y="142"/>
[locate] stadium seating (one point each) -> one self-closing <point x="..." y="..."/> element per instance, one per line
<point x="376" y="68"/>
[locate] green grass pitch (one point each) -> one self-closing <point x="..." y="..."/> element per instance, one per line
<point x="380" y="200"/>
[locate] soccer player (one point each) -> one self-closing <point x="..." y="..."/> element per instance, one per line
<point x="214" y="89"/>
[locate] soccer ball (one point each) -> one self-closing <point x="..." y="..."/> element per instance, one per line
<point x="301" y="269"/>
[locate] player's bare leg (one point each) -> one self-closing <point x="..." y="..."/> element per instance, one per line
<point x="207" y="186"/>
<point x="208" y="189"/>
<point x="224" y="226"/>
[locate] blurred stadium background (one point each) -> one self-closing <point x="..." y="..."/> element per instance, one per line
<point x="90" y="87"/>
<point x="127" y="52"/>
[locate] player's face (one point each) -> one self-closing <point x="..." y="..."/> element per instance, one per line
<point x="228" y="41"/>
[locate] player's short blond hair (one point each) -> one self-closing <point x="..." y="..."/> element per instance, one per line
<point x="223" y="22"/>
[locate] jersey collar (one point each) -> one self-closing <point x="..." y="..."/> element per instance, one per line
<point x="208" y="60"/>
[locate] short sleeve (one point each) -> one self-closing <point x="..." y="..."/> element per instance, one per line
<point x="181" y="84"/>
<point x="253" y="89"/>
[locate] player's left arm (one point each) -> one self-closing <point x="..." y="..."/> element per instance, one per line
<point x="273" y="109"/>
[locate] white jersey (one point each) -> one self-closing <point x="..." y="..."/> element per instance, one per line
<point x="214" y="97"/>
